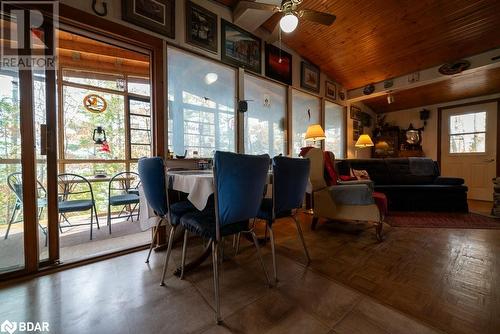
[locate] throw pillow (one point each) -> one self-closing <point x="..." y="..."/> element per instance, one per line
<point x="360" y="174"/>
<point x="330" y="172"/>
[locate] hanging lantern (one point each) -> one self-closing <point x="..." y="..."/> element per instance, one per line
<point x="99" y="136"/>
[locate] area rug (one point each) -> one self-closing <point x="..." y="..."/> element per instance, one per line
<point x="441" y="220"/>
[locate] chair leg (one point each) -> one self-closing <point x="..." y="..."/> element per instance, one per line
<point x="109" y="218"/>
<point x="184" y="248"/>
<point x="154" y="239"/>
<point x="299" y="229"/>
<point x="12" y="217"/>
<point x="378" y="230"/>
<point x="169" y="250"/>
<point x="96" y="218"/>
<point x="91" y="223"/>
<point x="237" y="244"/>
<point x="215" y="263"/>
<point x="314" y="223"/>
<point x="273" y="251"/>
<point x="256" y="243"/>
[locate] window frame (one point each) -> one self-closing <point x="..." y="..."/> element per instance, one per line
<point x="450" y="135"/>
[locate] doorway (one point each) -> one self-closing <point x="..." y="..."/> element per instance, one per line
<point x="469" y="146"/>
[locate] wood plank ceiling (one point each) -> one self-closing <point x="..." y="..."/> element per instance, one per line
<point x="478" y="83"/>
<point x="374" y="40"/>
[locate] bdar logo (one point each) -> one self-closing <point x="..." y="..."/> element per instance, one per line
<point x="8" y="327"/>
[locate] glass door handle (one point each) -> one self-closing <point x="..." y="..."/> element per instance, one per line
<point x="43" y="139"/>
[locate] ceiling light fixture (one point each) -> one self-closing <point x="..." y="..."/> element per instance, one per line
<point x="210" y="78"/>
<point x="390" y="98"/>
<point x="289" y="22"/>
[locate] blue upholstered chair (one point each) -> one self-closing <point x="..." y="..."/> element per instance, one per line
<point x="123" y="192"/>
<point x="239" y="180"/>
<point x="152" y="175"/>
<point x="290" y="177"/>
<point x="76" y="195"/>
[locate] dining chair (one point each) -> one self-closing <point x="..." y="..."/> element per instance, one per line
<point x="153" y="180"/>
<point x="76" y="195"/>
<point x="123" y="191"/>
<point x="238" y="183"/>
<point x="290" y="178"/>
<point x="15" y="184"/>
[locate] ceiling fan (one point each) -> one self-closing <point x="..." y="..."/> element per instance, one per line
<point x="290" y="13"/>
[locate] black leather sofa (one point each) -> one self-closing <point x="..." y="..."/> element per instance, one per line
<point x="411" y="184"/>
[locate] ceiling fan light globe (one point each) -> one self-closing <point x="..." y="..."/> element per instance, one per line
<point x="288" y="23"/>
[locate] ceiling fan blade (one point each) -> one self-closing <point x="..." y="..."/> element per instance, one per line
<point x="317" y="17"/>
<point x="256" y="5"/>
<point x="272" y="26"/>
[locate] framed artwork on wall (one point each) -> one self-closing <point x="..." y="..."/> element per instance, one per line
<point x="278" y="64"/>
<point x="240" y="48"/>
<point x="309" y="77"/>
<point x="155" y="15"/>
<point x="330" y="90"/>
<point x="201" y="27"/>
<point x="355" y="113"/>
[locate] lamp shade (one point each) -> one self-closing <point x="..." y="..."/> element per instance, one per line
<point x="364" y="141"/>
<point x="289" y="22"/>
<point x="315" y="132"/>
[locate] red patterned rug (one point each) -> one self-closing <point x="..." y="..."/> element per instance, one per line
<point x="441" y="219"/>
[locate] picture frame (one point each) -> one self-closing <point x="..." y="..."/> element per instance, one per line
<point x="309" y="76"/>
<point x="330" y="90"/>
<point x="355" y="135"/>
<point x="278" y="64"/>
<point x="355" y="113"/>
<point x="154" y="15"/>
<point x="356" y="124"/>
<point x="201" y="27"/>
<point x="240" y="47"/>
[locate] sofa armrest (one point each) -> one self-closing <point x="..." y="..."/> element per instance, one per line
<point x="449" y="181"/>
<point x="353" y="194"/>
<point x="369" y="183"/>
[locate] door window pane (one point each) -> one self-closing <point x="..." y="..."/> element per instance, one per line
<point x="305" y="111"/>
<point x="201" y="105"/>
<point x="335" y="129"/>
<point x="265" y="118"/>
<point x="468" y="133"/>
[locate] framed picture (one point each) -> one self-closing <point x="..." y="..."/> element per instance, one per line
<point x="201" y="27"/>
<point x="155" y="15"/>
<point x="240" y="48"/>
<point x="330" y="90"/>
<point x="278" y="64"/>
<point x="356" y="125"/>
<point x="309" y="77"/>
<point x="355" y="113"/>
<point x="355" y="135"/>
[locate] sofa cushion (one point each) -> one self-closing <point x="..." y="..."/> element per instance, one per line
<point x="376" y="168"/>
<point x="449" y="181"/>
<point x="400" y="173"/>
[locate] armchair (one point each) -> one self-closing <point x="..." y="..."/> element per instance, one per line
<point x="345" y="201"/>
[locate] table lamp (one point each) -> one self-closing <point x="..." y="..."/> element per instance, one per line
<point x="364" y="141"/>
<point x="315" y="133"/>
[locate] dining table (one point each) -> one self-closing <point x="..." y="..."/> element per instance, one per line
<point x="199" y="186"/>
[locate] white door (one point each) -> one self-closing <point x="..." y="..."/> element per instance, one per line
<point x="468" y="147"/>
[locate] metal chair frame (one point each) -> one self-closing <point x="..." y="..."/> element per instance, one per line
<point x="67" y="191"/>
<point x="125" y="187"/>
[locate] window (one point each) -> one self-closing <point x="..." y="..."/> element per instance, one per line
<point x="265" y="118"/>
<point x="468" y="133"/>
<point x="201" y="105"/>
<point x="305" y="111"/>
<point x="335" y="129"/>
<point x="140" y="127"/>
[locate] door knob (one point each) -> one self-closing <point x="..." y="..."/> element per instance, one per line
<point x="489" y="160"/>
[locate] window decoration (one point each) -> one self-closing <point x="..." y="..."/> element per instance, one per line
<point x="95" y="103"/>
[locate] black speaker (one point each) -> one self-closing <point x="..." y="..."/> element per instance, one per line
<point x="242" y="106"/>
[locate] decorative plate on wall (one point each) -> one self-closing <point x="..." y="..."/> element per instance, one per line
<point x="95" y="103"/>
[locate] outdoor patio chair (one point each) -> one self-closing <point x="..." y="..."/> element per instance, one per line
<point x="15" y="183"/>
<point x="123" y="191"/>
<point x="76" y="195"/>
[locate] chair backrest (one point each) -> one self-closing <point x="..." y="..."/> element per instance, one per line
<point x="15" y="183"/>
<point x="124" y="183"/>
<point x="239" y="180"/>
<point x="152" y="174"/>
<point x="74" y="187"/>
<point x="290" y="178"/>
<point x="317" y="171"/>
